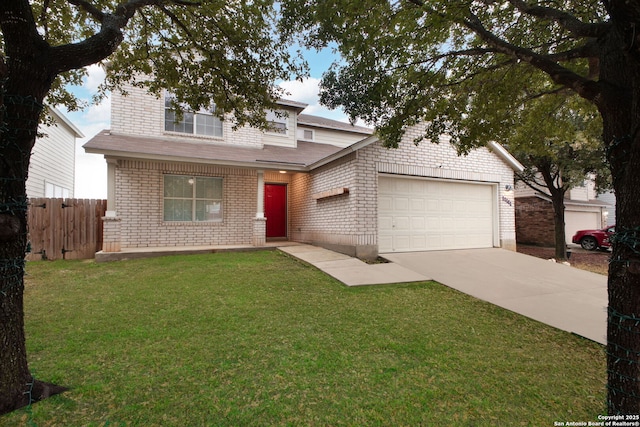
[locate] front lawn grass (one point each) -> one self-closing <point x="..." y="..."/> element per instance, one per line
<point x="259" y="339"/>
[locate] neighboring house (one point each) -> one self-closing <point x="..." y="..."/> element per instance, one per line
<point x="52" y="164"/>
<point x="312" y="180"/>
<point x="609" y="197"/>
<point x="534" y="213"/>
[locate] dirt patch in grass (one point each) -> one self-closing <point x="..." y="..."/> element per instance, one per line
<point x="594" y="261"/>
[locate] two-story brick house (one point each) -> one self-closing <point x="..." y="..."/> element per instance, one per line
<point x="201" y="183"/>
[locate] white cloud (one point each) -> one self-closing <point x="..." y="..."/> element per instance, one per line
<point x="99" y="113"/>
<point x="303" y="91"/>
<point x="94" y="78"/>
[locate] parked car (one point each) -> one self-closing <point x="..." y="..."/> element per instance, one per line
<point x="594" y="239"/>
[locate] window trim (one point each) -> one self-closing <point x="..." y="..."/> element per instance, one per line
<point x="194" y="199"/>
<point x="202" y="112"/>
<point x="272" y="117"/>
<point x="313" y="134"/>
<point x="55" y="191"/>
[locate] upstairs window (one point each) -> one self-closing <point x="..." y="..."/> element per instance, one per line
<point x="305" y="134"/>
<point x="192" y="198"/>
<point x="278" y="122"/>
<point x="204" y="122"/>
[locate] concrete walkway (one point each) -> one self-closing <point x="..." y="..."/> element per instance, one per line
<point x="558" y="295"/>
<point x="352" y="271"/>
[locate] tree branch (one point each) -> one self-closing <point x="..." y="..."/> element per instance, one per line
<point x="564" y="19"/>
<point x="106" y="41"/>
<point x="89" y="8"/>
<point x="176" y="20"/>
<point x="584" y="87"/>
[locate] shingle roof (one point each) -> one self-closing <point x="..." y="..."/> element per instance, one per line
<point x="322" y="122"/>
<point x="268" y="157"/>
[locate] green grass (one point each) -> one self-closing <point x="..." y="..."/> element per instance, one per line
<point x="259" y="339"/>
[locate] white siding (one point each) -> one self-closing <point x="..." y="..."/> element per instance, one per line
<point x="331" y="136"/>
<point x="52" y="161"/>
<point x="284" y="140"/>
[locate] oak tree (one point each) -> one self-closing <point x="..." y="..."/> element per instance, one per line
<point x="558" y="141"/>
<point x="202" y="50"/>
<point x="464" y="67"/>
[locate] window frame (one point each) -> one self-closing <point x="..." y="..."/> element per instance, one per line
<point x="55" y="191"/>
<point x="302" y="134"/>
<point x="218" y="122"/>
<point x="275" y="117"/>
<point x="194" y="200"/>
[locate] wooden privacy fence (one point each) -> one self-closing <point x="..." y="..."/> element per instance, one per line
<point x="65" y="228"/>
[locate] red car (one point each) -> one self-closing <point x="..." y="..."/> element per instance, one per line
<point x="594" y="239"/>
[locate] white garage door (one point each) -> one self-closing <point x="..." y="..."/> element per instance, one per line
<point x="576" y="220"/>
<point x="422" y="214"/>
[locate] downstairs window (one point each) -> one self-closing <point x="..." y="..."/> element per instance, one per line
<point x="192" y="198"/>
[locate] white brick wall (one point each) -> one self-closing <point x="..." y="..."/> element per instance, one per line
<point x="139" y="204"/>
<point x="351" y="219"/>
<point x="346" y="220"/>
<point x="142" y="114"/>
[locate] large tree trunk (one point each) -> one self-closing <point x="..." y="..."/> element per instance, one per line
<point x="24" y="83"/>
<point x="621" y="119"/>
<point x="19" y="126"/>
<point x="28" y="67"/>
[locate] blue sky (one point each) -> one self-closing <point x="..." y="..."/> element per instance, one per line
<point x="91" y="169"/>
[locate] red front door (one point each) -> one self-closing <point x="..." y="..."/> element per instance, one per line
<point x="275" y="209"/>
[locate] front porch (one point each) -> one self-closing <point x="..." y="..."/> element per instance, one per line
<point x="150" y="252"/>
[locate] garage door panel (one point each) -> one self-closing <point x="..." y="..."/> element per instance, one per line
<point x="385" y="203"/>
<point x="403" y="242"/>
<point x="418" y="204"/>
<point x="418" y="240"/>
<point x="423" y="214"/>
<point x="402" y="223"/>
<point x="385" y="222"/>
<point x="418" y="224"/>
<point x="401" y="203"/>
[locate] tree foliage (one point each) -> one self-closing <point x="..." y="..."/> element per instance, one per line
<point x="558" y="139"/>
<point x="229" y="51"/>
<point x="473" y="69"/>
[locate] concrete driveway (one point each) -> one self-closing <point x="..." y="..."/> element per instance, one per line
<point x="561" y="296"/>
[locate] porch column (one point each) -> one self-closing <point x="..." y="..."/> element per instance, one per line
<point x="111" y="187"/>
<point x="260" y="222"/>
<point x="260" y="201"/>
<point x="111" y="222"/>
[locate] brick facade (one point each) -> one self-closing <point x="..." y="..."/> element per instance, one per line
<point x="142" y="114"/>
<point x="139" y="205"/>
<point x="349" y="222"/>
<point x="534" y="221"/>
<point x="343" y="215"/>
